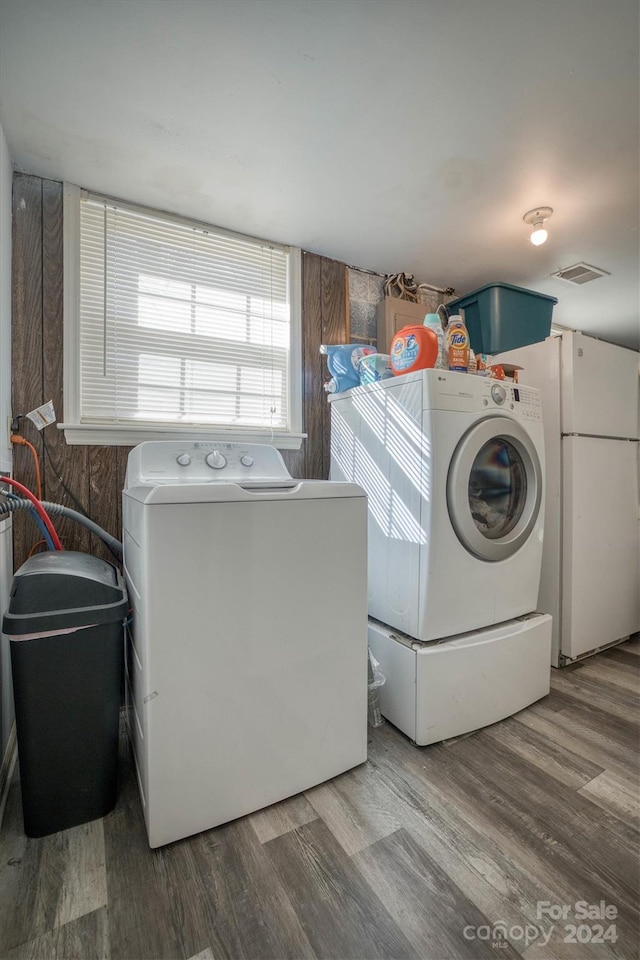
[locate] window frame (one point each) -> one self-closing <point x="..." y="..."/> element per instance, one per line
<point x="79" y="430"/>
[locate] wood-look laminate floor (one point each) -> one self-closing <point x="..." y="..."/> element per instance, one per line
<point x="433" y="852"/>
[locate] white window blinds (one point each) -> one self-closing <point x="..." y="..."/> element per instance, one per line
<point x="180" y="323"/>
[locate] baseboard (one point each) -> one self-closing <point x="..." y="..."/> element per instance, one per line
<point x="6" y="770"/>
<point x="565" y="662"/>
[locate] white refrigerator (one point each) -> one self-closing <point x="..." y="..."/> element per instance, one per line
<point x="590" y="580"/>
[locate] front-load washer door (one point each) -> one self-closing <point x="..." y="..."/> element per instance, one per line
<point x="494" y="488"/>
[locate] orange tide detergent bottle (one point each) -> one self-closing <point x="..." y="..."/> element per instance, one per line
<point x="458" y="344"/>
<point x="415" y="347"/>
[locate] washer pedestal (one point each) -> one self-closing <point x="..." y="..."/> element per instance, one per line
<point x="450" y="687"/>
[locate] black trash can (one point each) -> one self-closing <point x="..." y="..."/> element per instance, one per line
<point x="65" y="623"/>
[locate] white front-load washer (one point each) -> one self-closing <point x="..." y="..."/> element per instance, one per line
<point x="246" y="666"/>
<point x="453" y="468"/>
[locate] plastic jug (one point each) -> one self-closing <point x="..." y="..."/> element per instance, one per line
<point x="458" y="344"/>
<point x="415" y="347"/>
<point x="342" y="361"/>
<point x="374" y="367"/>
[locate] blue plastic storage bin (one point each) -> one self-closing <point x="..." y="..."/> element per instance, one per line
<point x="502" y="317"/>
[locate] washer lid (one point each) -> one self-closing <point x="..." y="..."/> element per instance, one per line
<point x="221" y="492"/>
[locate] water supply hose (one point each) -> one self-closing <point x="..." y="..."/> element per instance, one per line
<point x="58" y="510"/>
<point x="31" y="503"/>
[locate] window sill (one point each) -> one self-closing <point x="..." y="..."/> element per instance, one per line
<point x="116" y="435"/>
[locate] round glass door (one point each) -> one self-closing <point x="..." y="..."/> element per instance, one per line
<point x="497" y="488"/>
<point x="494" y="488"/>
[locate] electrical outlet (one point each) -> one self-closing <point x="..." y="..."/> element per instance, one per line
<point x="9" y="432"/>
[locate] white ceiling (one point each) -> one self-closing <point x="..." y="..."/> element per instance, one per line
<point x="394" y="135"/>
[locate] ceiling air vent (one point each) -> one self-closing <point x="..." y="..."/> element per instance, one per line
<point x="581" y="273"/>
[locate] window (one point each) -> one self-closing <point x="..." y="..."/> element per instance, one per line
<point x="173" y="327"/>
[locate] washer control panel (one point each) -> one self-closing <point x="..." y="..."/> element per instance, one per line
<point x="512" y="398"/>
<point x="469" y="393"/>
<point x="203" y="461"/>
<point x="524" y="400"/>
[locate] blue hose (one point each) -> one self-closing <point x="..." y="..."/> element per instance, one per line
<point x="45" y="533"/>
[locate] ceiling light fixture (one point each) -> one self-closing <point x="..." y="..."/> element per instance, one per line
<point x="536" y="219"/>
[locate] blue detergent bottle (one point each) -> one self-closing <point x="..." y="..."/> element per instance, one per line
<point x="342" y="361"/>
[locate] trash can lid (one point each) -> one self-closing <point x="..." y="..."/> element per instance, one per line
<point x="64" y="588"/>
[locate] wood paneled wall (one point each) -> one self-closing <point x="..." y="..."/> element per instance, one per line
<point x="94" y="474"/>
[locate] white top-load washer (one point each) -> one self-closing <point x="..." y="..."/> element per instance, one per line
<point x="247" y="656"/>
<point x="453" y="466"/>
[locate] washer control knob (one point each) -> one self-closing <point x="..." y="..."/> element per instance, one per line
<point x="216" y="460"/>
<point x="498" y="393"/>
<point x="246" y="461"/>
<point x="184" y="459"/>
